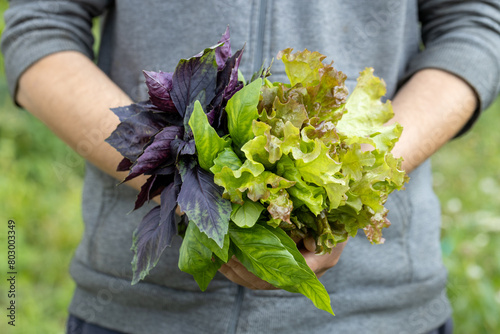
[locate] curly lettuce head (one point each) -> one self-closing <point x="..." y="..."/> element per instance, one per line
<point x="317" y="158"/>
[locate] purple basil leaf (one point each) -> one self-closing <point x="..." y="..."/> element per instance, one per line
<point x="152" y="188"/>
<point x="211" y="116"/>
<point x="167" y="169"/>
<point x="223" y="52"/>
<point x="143" y="195"/>
<point x="159" y="86"/>
<point x="182" y="147"/>
<point x="150" y="239"/>
<point x="233" y="63"/>
<point x="169" y="199"/>
<point x="191" y="77"/>
<point x="228" y="76"/>
<point x="125" y="112"/>
<point x="124" y="165"/>
<point x="188" y="148"/>
<point x="158" y="227"/>
<point x="201" y="199"/>
<point x="171" y="118"/>
<point x="157" y="153"/>
<point x="227" y="86"/>
<point x="159" y="83"/>
<point x="132" y="134"/>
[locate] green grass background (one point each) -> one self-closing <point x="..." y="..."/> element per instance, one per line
<point x="40" y="188"/>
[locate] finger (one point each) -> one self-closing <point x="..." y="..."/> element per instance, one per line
<point x="319" y="264"/>
<point x="367" y="147"/>
<point x="311" y="259"/>
<point x="254" y="282"/>
<point x="233" y="277"/>
<point x="243" y="275"/>
<point x="240" y="272"/>
<point x="310" y="244"/>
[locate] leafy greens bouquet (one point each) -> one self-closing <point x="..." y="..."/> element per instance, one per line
<point x="257" y="165"/>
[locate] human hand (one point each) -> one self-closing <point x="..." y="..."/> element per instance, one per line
<point x="319" y="264"/>
<point x="236" y="272"/>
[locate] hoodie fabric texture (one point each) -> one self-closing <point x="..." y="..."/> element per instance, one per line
<point x="397" y="287"/>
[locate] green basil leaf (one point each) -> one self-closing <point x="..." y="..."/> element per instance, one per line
<point x="316" y="292"/>
<point x="242" y="111"/>
<point x="263" y="254"/>
<point x="207" y="141"/>
<point x="221" y="253"/>
<point x="273" y="256"/>
<point x="311" y="287"/>
<point x="196" y="259"/>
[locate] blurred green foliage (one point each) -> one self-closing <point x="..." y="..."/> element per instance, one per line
<point x="41" y="182"/>
<point x="467" y="181"/>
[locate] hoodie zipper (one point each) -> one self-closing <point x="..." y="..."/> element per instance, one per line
<point x="233" y="323"/>
<point x="261" y="30"/>
<point x="257" y="63"/>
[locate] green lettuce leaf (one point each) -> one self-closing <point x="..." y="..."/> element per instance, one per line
<point x="354" y="161"/>
<point x="302" y="192"/>
<point x="280" y="206"/>
<point x="246" y="215"/>
<point x="264" y="148"/>
<point x="302" y="67"/>
<point x="367" y="115"/>
<point x="319" y="168"/>
<point x="245" y="181"/>
<point x="236" y="181"/>
<point x="326" y="91"/>
<point x="226" y="158"/>
<point x="281" y="104"/>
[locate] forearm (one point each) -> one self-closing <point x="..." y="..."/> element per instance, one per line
<point x="432" y="107"/>
<point x="73" y="97"/>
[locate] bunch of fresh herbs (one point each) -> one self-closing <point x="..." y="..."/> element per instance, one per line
<point x="254" y="166"/>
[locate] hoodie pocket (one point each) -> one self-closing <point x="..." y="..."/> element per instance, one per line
<point x="363" y="264"/>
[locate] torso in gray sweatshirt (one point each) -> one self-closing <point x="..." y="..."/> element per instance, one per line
<point x="397" y="287"/>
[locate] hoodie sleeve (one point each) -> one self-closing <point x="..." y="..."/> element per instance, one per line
<point x="35" y="29"/>
<point x="463" y="38"/>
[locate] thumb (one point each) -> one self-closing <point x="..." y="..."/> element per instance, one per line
<point x="310" y="244"/>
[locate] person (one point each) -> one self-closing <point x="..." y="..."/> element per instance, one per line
<point x="437" y="93"/>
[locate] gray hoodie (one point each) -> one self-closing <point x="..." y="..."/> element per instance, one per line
<point x="397" y="287"/>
